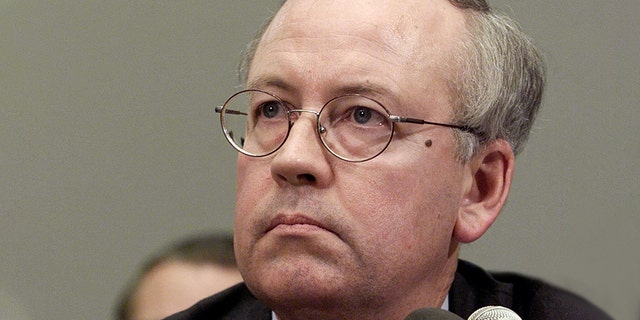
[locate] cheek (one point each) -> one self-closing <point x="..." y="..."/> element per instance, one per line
<point x="244" y="170"/>
<point x="408" y="208"/>
<point x="252" y="177"/>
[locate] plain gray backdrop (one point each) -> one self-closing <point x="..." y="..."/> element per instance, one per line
<point x="110" y="149"/>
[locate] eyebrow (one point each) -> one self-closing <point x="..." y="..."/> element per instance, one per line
<point x="261" y="83"/>
<point x="363" y="88"/>
<point x="368" y="89"/>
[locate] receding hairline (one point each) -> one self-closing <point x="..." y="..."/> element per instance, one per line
<point x="436" y="36"/>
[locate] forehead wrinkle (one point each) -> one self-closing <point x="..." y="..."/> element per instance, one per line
<point x="397" y="40"/>
<point x="289" y="69"/>
<point x="290" y="55"/>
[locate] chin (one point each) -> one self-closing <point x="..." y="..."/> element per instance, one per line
<point x="300" y="295"/>
<point x="297" y="280"/>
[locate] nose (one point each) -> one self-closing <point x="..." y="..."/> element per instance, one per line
<point x="302" y="160"/>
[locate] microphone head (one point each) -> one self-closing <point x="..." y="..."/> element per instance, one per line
<point x="494" y="313"/>
<point x="431" y="314"/>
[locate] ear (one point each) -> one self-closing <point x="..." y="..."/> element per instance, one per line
<point x="487" y="182"/>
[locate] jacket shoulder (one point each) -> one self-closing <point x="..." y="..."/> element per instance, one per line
<point x="529" y="297"/>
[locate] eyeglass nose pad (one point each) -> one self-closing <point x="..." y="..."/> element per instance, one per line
<point x="322" y="129"/>
<point x="241" y="138"/>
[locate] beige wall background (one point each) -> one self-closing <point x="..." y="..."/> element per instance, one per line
<point x="109" y="147"/>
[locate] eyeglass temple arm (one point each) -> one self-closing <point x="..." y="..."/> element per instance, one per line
<point x="218" y="109"/>
<point x="420" y="121"/>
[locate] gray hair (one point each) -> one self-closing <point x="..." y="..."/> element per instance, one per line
<point x="497" y="79"/>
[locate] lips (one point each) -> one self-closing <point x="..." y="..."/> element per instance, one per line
<point x="295" y="221"/>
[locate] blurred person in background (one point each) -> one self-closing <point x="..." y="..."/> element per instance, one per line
<point x="179" y="276"/>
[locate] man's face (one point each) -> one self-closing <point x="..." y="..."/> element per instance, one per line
<point x="316" y="231"/>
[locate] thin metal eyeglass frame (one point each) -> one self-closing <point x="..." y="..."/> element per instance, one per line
<point x="319" y="129"/>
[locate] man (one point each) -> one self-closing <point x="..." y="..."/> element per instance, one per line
<point x="375" y="138"/>
<point x="180" y="276"/>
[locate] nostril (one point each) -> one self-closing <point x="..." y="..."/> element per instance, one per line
<point x="307" y="177"/>
<point x="300" y="179"/>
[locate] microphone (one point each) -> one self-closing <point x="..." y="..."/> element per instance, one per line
<point x="494" y="313"/>
<point x="431" y="314"/>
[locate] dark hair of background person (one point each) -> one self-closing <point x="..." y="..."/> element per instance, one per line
<point x="199" y="249"/>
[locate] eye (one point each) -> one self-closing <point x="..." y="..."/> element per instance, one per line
<point x="362" y="115"/>
<point x="366" y="116"/>
<point x="271" y="109"/>
<point x="355" y="113"/>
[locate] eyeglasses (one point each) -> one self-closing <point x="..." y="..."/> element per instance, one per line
<point x="352" y="127"/>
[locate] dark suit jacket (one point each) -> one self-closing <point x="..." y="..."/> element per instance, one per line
<point x="472" y="289"/>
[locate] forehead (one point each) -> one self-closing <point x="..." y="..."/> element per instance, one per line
<point x="378" y="43"/>
<point x="432" y="16"/>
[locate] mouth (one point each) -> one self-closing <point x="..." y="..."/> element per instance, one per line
<point x="295" y="225"/>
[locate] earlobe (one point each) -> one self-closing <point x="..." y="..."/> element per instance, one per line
<point x="487" y="186"/>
